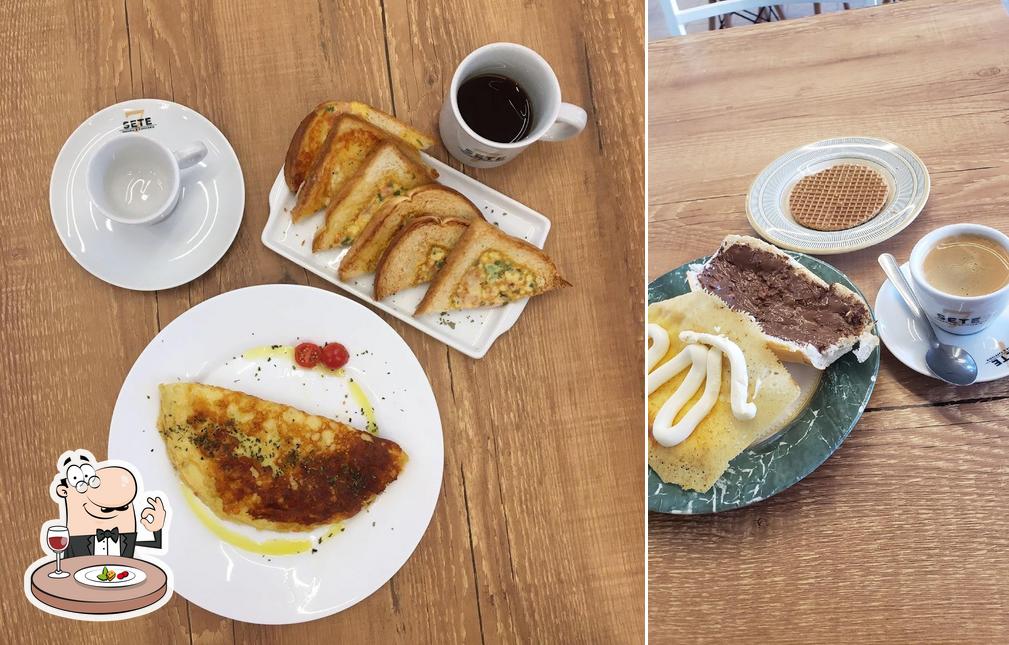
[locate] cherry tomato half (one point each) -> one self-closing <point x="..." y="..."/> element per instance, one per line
<point x="335" y="356"/>
<point x="307" y="354"/>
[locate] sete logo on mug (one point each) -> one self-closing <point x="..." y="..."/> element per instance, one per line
<point x="481" y="156"/>
<point x="958" y="320"/>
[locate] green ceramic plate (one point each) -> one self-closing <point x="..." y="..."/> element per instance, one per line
<point x="815" y="434"/>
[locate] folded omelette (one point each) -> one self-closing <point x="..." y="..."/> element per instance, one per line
<point x="269" y="465"/>
<point x="699" y="461"/>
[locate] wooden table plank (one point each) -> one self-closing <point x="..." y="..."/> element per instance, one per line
<point x="525" y="543"/>
<point x="69" y="341"/>
<point x="897" y="537"/>
<point x="521" y="501"/>
<point x="900" y="537"/>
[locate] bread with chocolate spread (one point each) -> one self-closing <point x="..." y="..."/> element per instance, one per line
<point x="804" y="319"/>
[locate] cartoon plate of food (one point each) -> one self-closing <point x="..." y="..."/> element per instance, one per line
<point x="110" y="575"/>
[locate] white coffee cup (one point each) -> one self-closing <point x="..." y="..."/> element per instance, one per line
<point x="553" y="120"/>
<point x="956" y="314"/>
<point x="133" y="179"/>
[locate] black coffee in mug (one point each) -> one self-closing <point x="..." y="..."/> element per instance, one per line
<point x="495" y="107"/>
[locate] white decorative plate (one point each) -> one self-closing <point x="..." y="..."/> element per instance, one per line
<point x="473" y="331"/>
<point x="158" y="256"/>
<point x="907" y="182"/>
<point x="206" y="344"/>
<point x="89" y="576"/>
<point x="906" y="341"/>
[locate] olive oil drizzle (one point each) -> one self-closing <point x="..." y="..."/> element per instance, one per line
<point x="276" y="546"/>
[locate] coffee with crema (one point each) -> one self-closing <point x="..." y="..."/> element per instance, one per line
<point x="967" y="265"/>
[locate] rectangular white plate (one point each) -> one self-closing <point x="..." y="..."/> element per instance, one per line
<point x="473" y="331"/>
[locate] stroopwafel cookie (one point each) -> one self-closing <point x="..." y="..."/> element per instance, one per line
<point x="837" y="198"/>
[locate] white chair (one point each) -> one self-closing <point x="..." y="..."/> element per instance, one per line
<point x="677" y="19"/>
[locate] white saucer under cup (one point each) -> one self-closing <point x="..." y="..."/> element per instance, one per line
<point x="902" y="336"/>
<point x="174" y="251"/>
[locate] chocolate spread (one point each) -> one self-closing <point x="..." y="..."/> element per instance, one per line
<point x="786" y="305"/>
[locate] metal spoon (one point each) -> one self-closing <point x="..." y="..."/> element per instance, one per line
<point x="950" y="363"/>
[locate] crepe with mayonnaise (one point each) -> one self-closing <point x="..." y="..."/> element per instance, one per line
<point x="697" y="461"/>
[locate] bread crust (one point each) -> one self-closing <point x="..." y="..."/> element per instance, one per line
<point x="311" y="134"/>
<point x="301" y="153"/>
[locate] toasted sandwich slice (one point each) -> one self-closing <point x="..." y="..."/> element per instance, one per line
<point x="417" y="253"/>
<point x="431" y="199"/>
<point x="488" y="268"/>
<point x="349" y="143"/>
<point x="311" y="135"/>
<point x="388" y="172"/>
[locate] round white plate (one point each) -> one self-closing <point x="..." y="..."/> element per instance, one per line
<point x="89" y="576"/>
<point x="903" y="336"/>
<point x="907" y="182"/>
<point x="158" y="256"/>
<point x="205" y="344"/>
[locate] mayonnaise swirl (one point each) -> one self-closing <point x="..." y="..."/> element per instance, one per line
<point x="659" y="346"/>
<point x="705" y="366"/>
<point x="737" y="370"/>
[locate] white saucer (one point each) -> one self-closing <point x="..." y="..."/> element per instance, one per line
<point x="903" y="337"/>
<point x="906" y="177"/>
<point x="89" y="576"/>
<point x="159" y="256"/>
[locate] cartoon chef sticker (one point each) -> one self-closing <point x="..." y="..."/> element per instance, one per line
<point x="97" y="573"/>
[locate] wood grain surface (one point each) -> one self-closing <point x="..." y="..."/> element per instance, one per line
<point x="537" y="536"/>
<point x="903" y="535"/>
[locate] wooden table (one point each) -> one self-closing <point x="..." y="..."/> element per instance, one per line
<point x="537" y="536"/>
<point x="69" y="594"/>
<point x="903" y="535"/>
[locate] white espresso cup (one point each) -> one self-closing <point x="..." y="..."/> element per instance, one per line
<point x="956" y="314"/>
<point x="553" y="120"/>
<point x="135" y="180"/>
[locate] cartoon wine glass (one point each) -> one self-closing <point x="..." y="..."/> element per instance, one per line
<point x="58" y="538"/>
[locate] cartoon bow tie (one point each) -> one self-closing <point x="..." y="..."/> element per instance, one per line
<point x="102" y="534"/>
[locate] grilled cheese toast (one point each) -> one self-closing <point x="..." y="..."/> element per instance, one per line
<point x="387" y="172"/>
<point x="488" y="268"/>
<point x="349" y="143"/>
<point x="431" y="199"/>
<point x="417" y="253"/>
<point x="313" y="130"/>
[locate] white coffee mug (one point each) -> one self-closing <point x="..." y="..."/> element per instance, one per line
<point x="133" y="179"/>
<point x="952" y="313"/>
<point x="553" y="120"/>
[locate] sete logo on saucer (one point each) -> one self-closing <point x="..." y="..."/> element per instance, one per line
<point x="135" y="121"/>
<point x="1001" y="357"/>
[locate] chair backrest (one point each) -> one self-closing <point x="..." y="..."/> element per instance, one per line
<point x="677" y="19"/>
